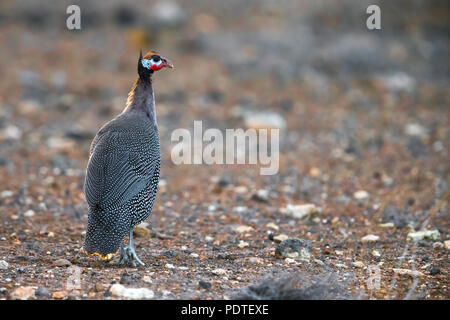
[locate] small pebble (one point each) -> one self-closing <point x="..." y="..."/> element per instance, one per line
<point x="361" y="195"/>
<point x="438" y="245"/>
<point x="435" y="270"/>
<point x="289" y="260"/>
<point x="62" y="263"/>
<point x="6" y="194"/>
<point x="3" y="265"/>
<point x="242" y="229"/>
<point x="261" y="195"/>
<point x="273" y="226"/>
<point x="256" y="260"/>
<point x="424" y="235"/>
<point x="60" y="294"/>
<point x="412" y="273"/>
<point x="301" y="211"/>
<point x="219" y="271"/>
<point x="121" y="291"/>
<point x="41" y="292"/>
<point x="22" y="293"/>
<point x="243" y="244"/>
<point x="29" y="213"/>
<point x="370" y="238"/>
<point x="358" y="264"/>
<point x="204" y="284"/>
<point x="280" y="238"/>
<point x="447" y="244"/>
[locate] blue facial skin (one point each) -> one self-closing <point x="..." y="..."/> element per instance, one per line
<point x="146" y="63"/>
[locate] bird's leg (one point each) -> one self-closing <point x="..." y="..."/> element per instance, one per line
<point x="128" y="254"/>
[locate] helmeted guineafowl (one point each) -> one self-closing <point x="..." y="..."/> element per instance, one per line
<point x="123" y="170"/>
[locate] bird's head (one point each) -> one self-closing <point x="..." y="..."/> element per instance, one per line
<point x="150" y="63"/>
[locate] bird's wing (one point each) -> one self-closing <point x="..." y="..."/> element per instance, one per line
<point x="120" y="166"/>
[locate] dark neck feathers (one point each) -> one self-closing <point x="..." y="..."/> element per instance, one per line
<point x="141" y="99"/>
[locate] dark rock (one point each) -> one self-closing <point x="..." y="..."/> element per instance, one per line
<point x="204" y="284"/>
<point x="224" y="181"/>
<point x="130" y="278"/>
<point x="226" y="256"/>
<point x="435" y="270"/>
<point x="416" y="147"/>
<point x="41" y="292"/>
<point x="295" y="245"/>
<point x="171" y="253"/>
<point x="261" y="196"/>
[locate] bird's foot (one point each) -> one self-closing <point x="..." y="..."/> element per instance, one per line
<point x="128" y="257"/>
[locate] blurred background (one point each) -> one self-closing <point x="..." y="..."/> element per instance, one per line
<point x="359" y="111"/>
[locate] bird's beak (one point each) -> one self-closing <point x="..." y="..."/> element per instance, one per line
<point x="167" y="63"/>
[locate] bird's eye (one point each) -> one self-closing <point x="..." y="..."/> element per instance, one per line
<point x="156" y="59"/>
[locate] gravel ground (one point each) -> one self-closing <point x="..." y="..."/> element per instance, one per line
<point x="359" y="208"/>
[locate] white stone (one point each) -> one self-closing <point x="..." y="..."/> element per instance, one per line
<point x="6" y="194"/>
<point x="263" y="194"/>
<point x="387" y="225"/>
<point x="264" y="120"/>
<point x="301" y="211"/>
<point x="416" y="130"/>
<point x="361" y="195"/>
<point x="3" y="265"/>
<point x="412" y="273"/>
<point x="242" y="229"/>
<point x="219" y="271"/>
<point x="273" y="226"/>
<point x="121" y="291"/>
<point x="370" y="238"/>
<point x="243" y="244"/>
<point x="289" y="260"/>
<point x="12" y="132"/>
<point x="358" y="264"/>
<point x="280" y="238"/>
<point x="29" y="213"/>
<point x="426" y="234"/>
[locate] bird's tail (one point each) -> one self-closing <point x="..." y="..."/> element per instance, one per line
<point x="102" y="239"/>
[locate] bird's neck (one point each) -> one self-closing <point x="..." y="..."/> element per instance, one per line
<point x="141" y="99"/>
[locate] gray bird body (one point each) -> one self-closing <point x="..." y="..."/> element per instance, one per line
<point x="123" y="172"/>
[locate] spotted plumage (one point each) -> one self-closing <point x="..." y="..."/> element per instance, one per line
<point x="123" y="171"/>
